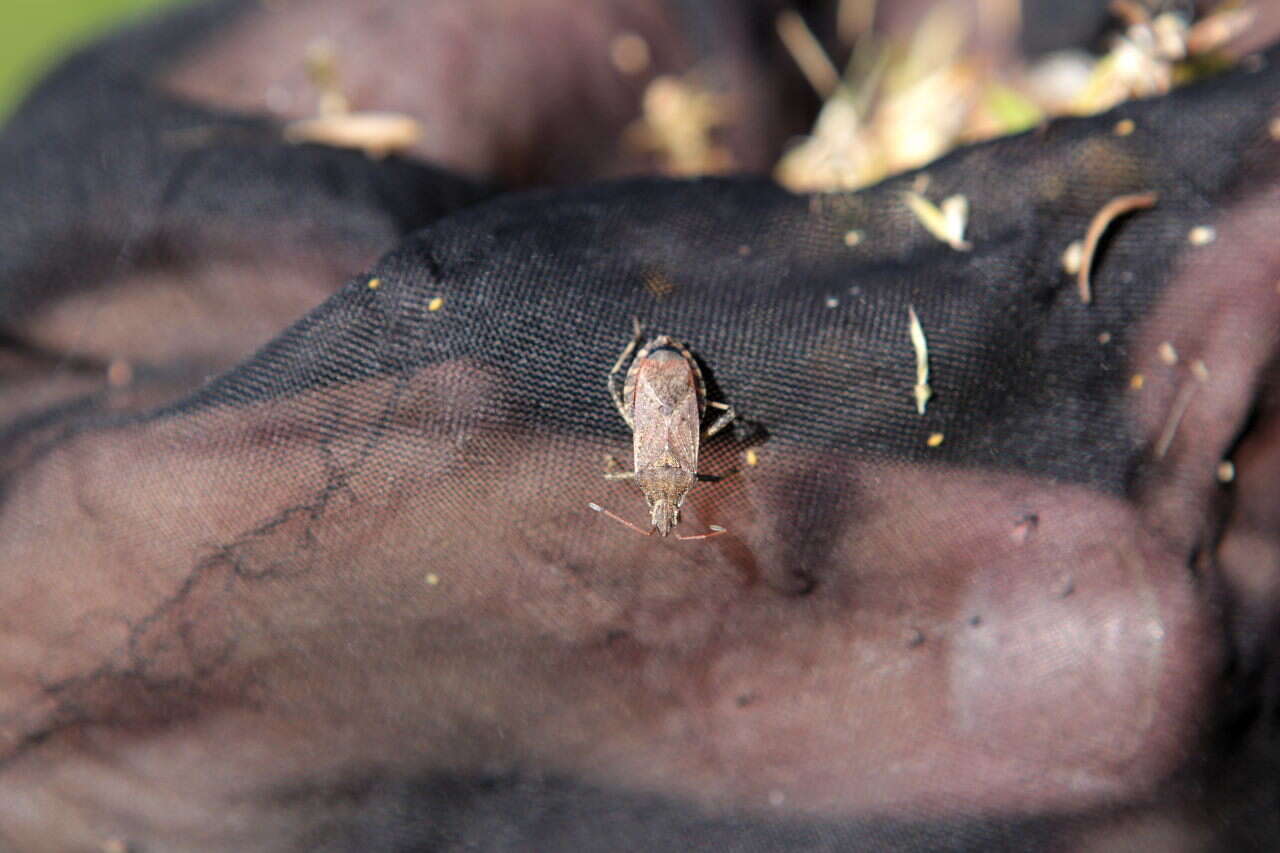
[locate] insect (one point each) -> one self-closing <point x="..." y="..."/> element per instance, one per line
<point x="663" y="399"/>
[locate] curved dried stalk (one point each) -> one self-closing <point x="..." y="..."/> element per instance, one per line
<point x="1110" y="212"/>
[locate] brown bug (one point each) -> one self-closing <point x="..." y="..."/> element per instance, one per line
<point x="663" y="400"/>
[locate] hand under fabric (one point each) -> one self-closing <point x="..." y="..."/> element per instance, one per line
<point x="360" y="561"/>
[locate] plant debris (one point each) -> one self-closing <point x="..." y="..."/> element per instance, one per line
<point x="1110" y="212"/>
<point x="947" y="222"/>
<point x="679" y="119"/>
<point x="659" y="285"/>
<point x="922" y="390"/>
<point x="1026" y="526"/>
<point x="901" y="103"/>
<point x="376" y="134"/>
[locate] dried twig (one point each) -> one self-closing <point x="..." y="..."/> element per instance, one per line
<point x="808" y="53"/>
<point x="922" y="390"/>
<point x="854" y="19"/>
<point x="1110" y="212"/>
<point x="1180" y="405"/>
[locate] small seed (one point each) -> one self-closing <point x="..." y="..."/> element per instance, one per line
<point x="629" y="53"/>
<point x="1201" y="235"/>
<point x="375" y="283"/>
<point x="1124" y="127"/>
<point x="436" y="304"/>
<point x="433" y="579"/>
<point x="832" y="302"/>
<point x="1137" y="381"/>
<point x="1072" y="256"/>
<point x="1104" y="338"/>
<point x="753" y="458"/>
<point x="934" y="440"/>
<point x="853" y="238"/>
<point x="1168" y="354"/>
<point x="119" y="373"/>
<point x="1200" y="370"/>
<point x="1226" y="471"/>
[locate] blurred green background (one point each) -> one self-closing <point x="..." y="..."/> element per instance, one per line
<point x="35" y="34"/>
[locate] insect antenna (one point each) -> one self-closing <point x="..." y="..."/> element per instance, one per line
<point x="623" y="521"/>
<point x="716" y="530"/>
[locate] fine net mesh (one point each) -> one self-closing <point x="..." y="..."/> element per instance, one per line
<point x="332" y="582"/>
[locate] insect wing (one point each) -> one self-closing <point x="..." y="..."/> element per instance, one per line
<point x="666" y="413"/>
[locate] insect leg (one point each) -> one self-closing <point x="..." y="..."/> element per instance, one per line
<point x="614" y="391"/>
<point x="614" y="471"/>
<point x="721" y="422"/>
<point x="624" y="522"/>
<point x="716" y="530"/>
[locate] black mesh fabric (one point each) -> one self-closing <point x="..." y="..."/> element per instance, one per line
<point x="332" y="583"/>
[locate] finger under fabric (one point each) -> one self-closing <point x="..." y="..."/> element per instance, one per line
<point x="527" y="92"/>
<point x="147" y="243"/>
